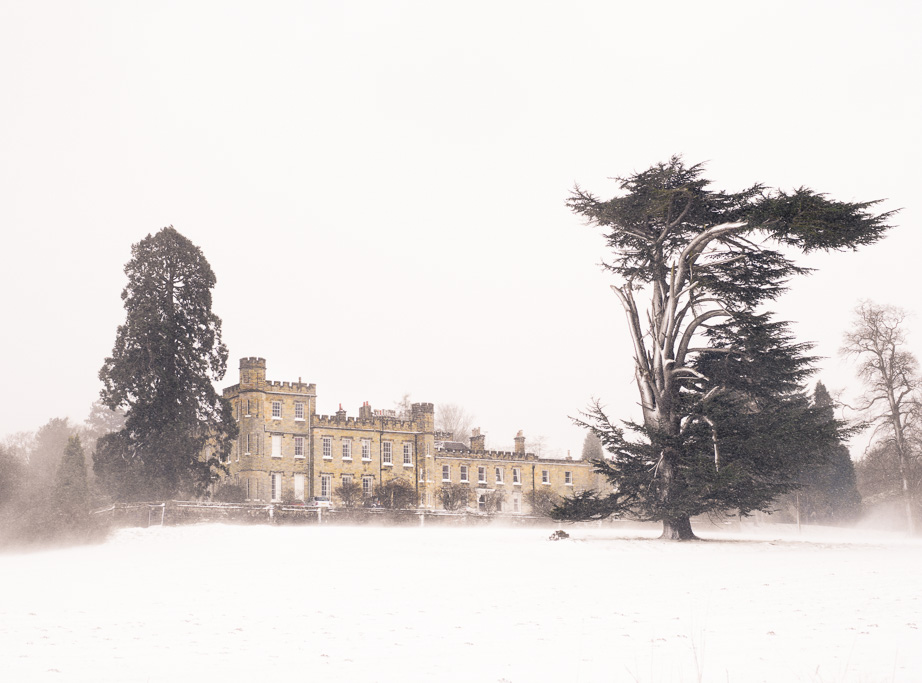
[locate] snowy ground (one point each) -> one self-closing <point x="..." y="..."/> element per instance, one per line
<point x="259" y="603"/>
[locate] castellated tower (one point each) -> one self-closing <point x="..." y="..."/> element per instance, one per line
<point x="252" y="373"/>
<point x="423" y="414"/>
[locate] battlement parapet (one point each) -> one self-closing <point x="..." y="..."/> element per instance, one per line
<point x="376" y="423"/>
<point x="300" y="389"/>
<point x="486" y="455"/>
<point x="291" y="387"/>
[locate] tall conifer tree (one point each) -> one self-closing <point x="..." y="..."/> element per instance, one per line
<point x="724" y="416"/>
<point x="166" y="357"/>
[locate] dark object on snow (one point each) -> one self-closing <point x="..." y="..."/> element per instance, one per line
<point x="558" y="535"/>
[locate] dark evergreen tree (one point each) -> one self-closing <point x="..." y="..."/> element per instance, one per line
<point x="592" y="447"/>
<point x="71" y="493"/>
<point x="726" y="424"/>
<point x="166" y="356"/>
<point x="828" y="487"/>
<point x="45" y="455"/>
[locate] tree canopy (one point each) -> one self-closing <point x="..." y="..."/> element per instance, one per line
<point x="726" y="423"/>
<point x="162" y="368"/>
<point x="829" y="487"/>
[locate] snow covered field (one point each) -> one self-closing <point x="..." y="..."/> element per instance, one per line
<point x="260" y="603"/>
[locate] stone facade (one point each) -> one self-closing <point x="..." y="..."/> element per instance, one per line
<point x="287" y="452"/>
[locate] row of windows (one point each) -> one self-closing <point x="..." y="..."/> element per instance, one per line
<point x="249" y="444"/>
<point x="250" y="441"/>
<point x="326" y="484"/>
<point x="387" y="450"/>
<point x="277" y="410"/>
<point x="499" y="475"/>
<point x="247" y="408"/>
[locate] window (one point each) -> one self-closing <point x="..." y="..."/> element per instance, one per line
<point x="276" y="410"/>
<point x="407" y="454"/>
<point x="499" y="475"/>
<point x="516" y="503"/>
<point x="299" y="411"/>
<point x="446" y="473"/>
<point x="248" y="445"/>
<point x="347" y="480"/>
<point x="347" y="449"/>
<point x="327" y="448"/>
<point x="516" y="476"/>
<point x="568" y="478"/>
<point x="275" y="480"/>
<point x="464" y="473"/>
<point x="545" y="477"/>
<point x="248" y="408"/>
<point x="368" y="486"/>
<point x="387" y="455"/>
<point x="239" y="403"/>
<point x="299" y="446"/>
<point x="482" y="475"/>
<point x="366" y="449"/>
<point x="299" y="486"/>
<point x="276" y="445"/>
<point x="248" y="489"/>
<point x="326" y="485"/>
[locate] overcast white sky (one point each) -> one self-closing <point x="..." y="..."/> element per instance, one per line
<point x="380" y="186"/>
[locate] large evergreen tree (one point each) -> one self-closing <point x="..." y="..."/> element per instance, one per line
<point x="166" y="357"/>
<point x="725" y="422"/>
<point x="828" y="491"/>
<point x="71" y="492"/>
<point x="592" y="447"/>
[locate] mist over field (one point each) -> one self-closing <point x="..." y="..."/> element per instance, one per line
<point x="242" y="603"/>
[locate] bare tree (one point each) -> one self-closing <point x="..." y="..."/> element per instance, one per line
<point x="396" y="494"/>
<point x="403" y="406"/>
<point x="541" y="446"/>
<point x="450" y="417"/>
<point x="455" y="497"/>
<point x="493" y="501"/>
<point x="890" y="374"/>
<point x="542" y="501"/>
<point x="349" y="493"/>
